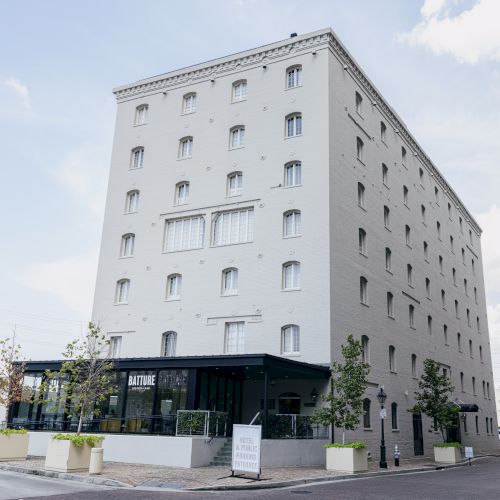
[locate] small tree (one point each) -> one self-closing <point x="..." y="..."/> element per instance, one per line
<point x="348" y="384"/>
<point x="87" y="375"/>
<point x="434" y="398"/>
<point x="11" y="372"/>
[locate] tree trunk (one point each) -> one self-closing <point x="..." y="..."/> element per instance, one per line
<point x="343" y="435"/>
<point x="80" y="423"/>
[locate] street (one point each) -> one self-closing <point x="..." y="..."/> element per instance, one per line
<point x="482" y="480"/>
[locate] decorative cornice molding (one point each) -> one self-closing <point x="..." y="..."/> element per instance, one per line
<point x="246" y="60"/>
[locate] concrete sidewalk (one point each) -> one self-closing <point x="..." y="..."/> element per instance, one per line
<point x="212" y="478"/>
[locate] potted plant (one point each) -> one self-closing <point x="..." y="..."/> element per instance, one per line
<point x="87" y="376"/>
<point x="13" y="442"/>
<point x="434" y="400"/>
<point x="344" y="408"/>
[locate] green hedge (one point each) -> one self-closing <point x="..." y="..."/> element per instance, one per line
<point x="358" y="445"/>
<point x="79" y="440"/>
<point x="447" y="445"/>
<point x="8" y="432"/>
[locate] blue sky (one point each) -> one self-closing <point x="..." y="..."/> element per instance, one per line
<point x="435" y="61"/>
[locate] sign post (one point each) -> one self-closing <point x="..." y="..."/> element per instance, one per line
<point x="246" y="449"/>
<point x="469" y="453"/>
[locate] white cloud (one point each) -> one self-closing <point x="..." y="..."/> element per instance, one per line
<point x="20" y="90"/>
<point x="490" y="243"/>
<point x="471" y="36"/>
<point x="71" y="280"/>
<point x="15" y="99"/>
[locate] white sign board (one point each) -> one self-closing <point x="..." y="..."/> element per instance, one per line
<point x="469" y="452"/>
<point x="383" y="413"/>
<point x="246" y="448"/>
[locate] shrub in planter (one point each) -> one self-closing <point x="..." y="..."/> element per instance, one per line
<point x="71" y="452"/>
<point x="347" y="457"/>
<point x="13" y="444"/>
<point x="449" y="453"/>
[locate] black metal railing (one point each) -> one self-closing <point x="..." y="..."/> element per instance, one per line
<point x="290" y="426"/>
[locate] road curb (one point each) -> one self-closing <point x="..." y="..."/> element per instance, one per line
<point x="322" y="479"/>
<point x="99" y="481"/>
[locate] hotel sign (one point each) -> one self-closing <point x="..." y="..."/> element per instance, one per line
<point x="141" y="380"/>
<point x="246" y="448"/>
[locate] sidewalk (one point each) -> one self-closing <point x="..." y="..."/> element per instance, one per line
<point x="212" y="478"/>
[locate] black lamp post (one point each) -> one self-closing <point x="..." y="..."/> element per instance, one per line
<point x="382" y="396"/>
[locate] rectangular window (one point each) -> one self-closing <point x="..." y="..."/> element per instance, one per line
<point x="294" y="77"/>
<point x="233" y="227"/>
<point x="293" y="175"/>
<point x="184" y="234"/>
<point x="235" y="338"/>
<point x="115" y="345"/>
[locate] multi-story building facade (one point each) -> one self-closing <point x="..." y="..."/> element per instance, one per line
<point x="272" y="202"/>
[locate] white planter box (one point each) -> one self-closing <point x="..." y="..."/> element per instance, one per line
<point x="14" y="446"/>
<point x="347" y="459"/>
<point x="64" y="456"/>
<point x="449" y="455"/>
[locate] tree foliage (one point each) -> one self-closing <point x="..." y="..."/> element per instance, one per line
<point x="86" y="377"/>
<point x="348" y="384"/>
<point x="434" y="398"/>
<point x="11" y="371"/>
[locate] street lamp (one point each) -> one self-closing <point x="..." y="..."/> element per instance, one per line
<point x="382" y="396"/>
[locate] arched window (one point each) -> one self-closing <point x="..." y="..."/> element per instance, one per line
<point x="358" y="102"/>
<point x="239" y="90"/>
<point x="291" y="275"/>
<point x="411" y="315"/>
<point x="392" y="358"/>
<point x="409" y="274"/>
<point x="230" y="281"/>
<point x="132" y="201"/>
<point x="438" y="229"/>
<point x="414" y="365"/>
<point x="390" y="305"/>
<point x="293" y="77"/>
<point x="293" y="174"/>
<point x="422" y="212"/>
<point x="291" y="223"/>
<point x="234" y="184"/>
<point x="237" y="137"/>
<point x="169" y="344"/>
<point x="366" y="413"/>
<point x="121" y="293"/>
<point x="174" y="286"/>
<point x="474" y="386"/>
<point x="361" y="195"/>
<point x="141" y="114"/>
<point x="359" y="148"/>
<point x="445" y="334"/>
<point x="405" y="195"/>
<point x="428" y="288"/>
<point x="462" y="381"/>
<point x="185" y="148"/>
<point x="429" y="325"/>
<point x="387" y="217"/>
<point x="290" y="339"/>
<point x="408" y="235"/>
<point x="388" y="258"/>
<point x="385" y="174"/>
<point x="481" y="353"/>
<point x="484" y="389"/>
<point x="471" y="352"/>
<point x="189" y="103"/>
<point x="362" y="241"/>
<point x="127" y="246"/>
<point x="459" y="342"/>
<point x="365" y="346"/>
<point x="394" y="416"/>
<point x="477" y="424"/>
<point x="403" y="156"/>
<point x="426" y="250"/>
<point x="293" y="124"/>
<point x="181" y="193"/>
<point x="137" y="158"/>
<point x="383" y="132"/>
<point x="363" y="290"/>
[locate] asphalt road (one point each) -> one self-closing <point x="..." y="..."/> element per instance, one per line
<point x="481" y="481"/>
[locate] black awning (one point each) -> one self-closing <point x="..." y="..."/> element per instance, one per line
<point x="468" y="408"/>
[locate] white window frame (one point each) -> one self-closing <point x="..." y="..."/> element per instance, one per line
<point x="294" y="76"/>
<point x="229" y="284"/>
<point x="292" y="224"/>
<point x="122" y="291"/>
<point x="189" y="103"/>
<point x="234" y="337"/>
<point x="291" y="275"/>
<point x="185" y="148"/>
<point x="234" y="184"/>
<point x="169" y="344"/>
<point x="127" y="245"/>
<point x="239" y="91"/>
<point x="137" y="158"/>
<point x="174" y="287"/>
<point x="141" y="115"/>
<point x="237" y="137"/>
<point x="293" y="174"/>
<point x="233" y="227"/>
<point x="293" y="125"/>
<point x="184" y="233"/>
<point x="115" y="346"/>
<point x="182" y="193"/>
<point x="290" y="340"/>
<point x="132" y="201"/>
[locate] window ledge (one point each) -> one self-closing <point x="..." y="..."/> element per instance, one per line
<point x="393" y="372"/>
<point x="364" y="304"/>
<point x="361" y="161"/>
<point x="363" y="255"/>
<point x="391" y="317"/>
<point x="228" y="294"/>
<point x="121" y="304"/>
<point x="140" y="124"/>
<point x="292" y="236"/>
<point x="235" y="147"/>
<point x="388" y="229"/>
<point x="184" y="158"/>
<point x="126" y="256"/>
<point x="291" y="354"/>
<point x="290" y="289"/>
<point x="135" y="168"/>
<point x="426" y="260"/>
<point x="384" y="143"/>
<point x="368" y="429"/>
<point x="292" y="136"/>
<point x="362" y="208"/>
<point x="396" y="430"/>
<point x="236" y="101"/>
<point x="294" y="87"/>
<point x="406" y="205"/>
<point x="188" y="112"/>
<point x="292" y="186"/>
<point x="173" y="299"/>
<point x="412" y="328"/>
<point x="409" y="246"/>
<point x="389" y="271"/>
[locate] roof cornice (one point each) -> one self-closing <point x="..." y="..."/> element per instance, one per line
<point x="267" y="54"/>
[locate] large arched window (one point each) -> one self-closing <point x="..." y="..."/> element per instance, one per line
<point x="291" y="276"/>
<point x="293" y="125"/>
<point x="181" y="193"/>
<point x="169" y="344"/>
<point x="132" y="201"/>
<point x="290" y="339"/>
<point x="127" y="246"/>
<point x="233" y="226"/>
<point x="291" y="223"/>
<point x="230" y="281"/>
<point x="239" y="92"/>
<point x="141" y="114"/>
<point x="122" y="290"/>
<point x="293" y="174"/>
<point x="137" y="158"/>
<point x="185" y="148"/>
<point x="189" y="103"/>
<point x="234" y="184"/>
<point x="294" y="76"/>
<point x="237" y="137"/>
<point x="366" y="414"/>
<point x="174" y="286"/>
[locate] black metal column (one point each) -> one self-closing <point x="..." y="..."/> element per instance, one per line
<point x="266" y="401"/>
<point x="383" y="461"/>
